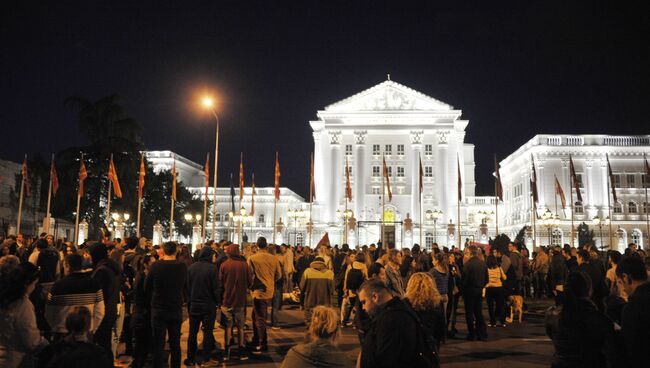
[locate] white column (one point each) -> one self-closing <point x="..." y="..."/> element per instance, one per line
<point x="539" y="165"/>
<point x="335" y="174"/>
<point x="416" y="152"/>
<point x="442" y="177"/>
<point x="360" y="175"/>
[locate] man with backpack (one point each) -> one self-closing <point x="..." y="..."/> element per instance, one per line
<point x="355" y="275"/>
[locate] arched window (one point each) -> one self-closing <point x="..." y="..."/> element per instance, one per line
<point x="645" y="207"/>
<point x="637" y="237"/>
<point x="300" y="238"/>
<point x="428" y="240"/>
<point x="632" y="208"/>
<point x="556" y="237"/>
<point x="578" y="208"/>
<point x="618" y="208"/>
<point x="218" y="217"/>
<point x="261" y="219"/>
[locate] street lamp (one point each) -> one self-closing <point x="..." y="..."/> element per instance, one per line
<point x="240" y="219"/>
<point x="597" y="221"/>
<point x="208" y="103"/>
<point x="118" y="223"/>
<point x="434" y="216"/>
<point x="196" y="229"/>
<point x="550" y="221"/>
<point x="344" y="215"/>
<point x="295" y="215"/>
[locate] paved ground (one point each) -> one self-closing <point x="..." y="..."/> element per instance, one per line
<point x="517" y="345"/>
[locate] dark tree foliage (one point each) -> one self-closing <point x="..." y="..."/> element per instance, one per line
<point x="585" y="235"/>
<point x="500" y="243"/>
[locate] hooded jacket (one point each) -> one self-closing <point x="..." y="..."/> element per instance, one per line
<point x="318" y="353"/>
<point x="318" y="284"/>
<point x="236" y="278"/>
<point x="107" y="273"/>
<point x="203" y="284"/>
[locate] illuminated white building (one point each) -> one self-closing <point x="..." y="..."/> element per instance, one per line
<point x="551" y="156"/>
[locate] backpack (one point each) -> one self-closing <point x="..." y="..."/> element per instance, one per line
<point x="355" y="279"/>
<point x="426" y="347"/>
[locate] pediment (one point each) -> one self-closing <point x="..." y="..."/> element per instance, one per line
<point x="388" y="96"/>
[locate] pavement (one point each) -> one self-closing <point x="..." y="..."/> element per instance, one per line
<point x="516" y="345"/>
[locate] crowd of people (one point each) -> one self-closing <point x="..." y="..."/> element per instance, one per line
<point x="66" y="306"/>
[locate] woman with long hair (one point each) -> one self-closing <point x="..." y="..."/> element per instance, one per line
<point x="582" y="336"/>
<point x="424" y="298"/>
<point x="440" y="273"/>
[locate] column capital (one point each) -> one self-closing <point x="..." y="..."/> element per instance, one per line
<point x="442" y="136"/>
<point x="335" y="137"/>
<point x="360" y="136"/>
<point x="416" y="136"/>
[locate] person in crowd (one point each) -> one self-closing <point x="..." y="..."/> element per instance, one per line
<point x="635" y="320"/>
<point x="582" y="336"/>
<point x="141" y="316"/>
<point x="318" y="286"/>
<point x="540" y="267"/>
<point x="395" y="282"/>
<point x="494" y="293"/>
<point x="423" y="296"/>
<point x="355" y="274"/>
<point x="20" y="338"/>
<point x="475" y="278"/>
<point x="339" y="265"/>
<point x="596" y="276"/>
<point x="77" y="288"/>
<point x="390" y="340"/>
<point x="440" y="273"/>
<point x="557" y="275"/>
<point x="266" y="271"/>
<point x="408" y="267"/>
<point x="235" y="278"/>
<point x="570" y="256"/>
<point x="321" y="348"/>
<point x="289" y="268"/>
<point x="324" y="253"/>
<point x="204" y="297"/>
<point x="516" y="267"/>
<point x="106" y="272"/>
<point x="302" y="263"/>
<point x="276" y="302"/>
<point x="47" y="259"/>
<point x="165" y="284"/>
<point x="453" y="294"/>
<point x="75" y="349"/>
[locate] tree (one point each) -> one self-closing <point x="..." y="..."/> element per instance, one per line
<point x="585" y="235"/>
<point x="521" y="235"/>
<point x="500" y="243"/>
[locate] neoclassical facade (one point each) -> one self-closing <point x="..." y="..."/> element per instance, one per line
<point x="551" y="156"/>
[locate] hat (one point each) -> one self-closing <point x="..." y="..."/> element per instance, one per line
<point x="232" y="250"/>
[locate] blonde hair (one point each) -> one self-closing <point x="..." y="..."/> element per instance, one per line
<point x="324" y="323"/>
<point x="422" y="293"/>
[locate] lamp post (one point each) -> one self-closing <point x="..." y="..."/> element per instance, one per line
<point x="295" y="215"/>
<point x="208" y="103"/>
<point x="434" y="216"/>
<point x="597" y="221"/>
<point x="550" y="221"/>
<point x="118" y="224"/>
<point x="196" y="228"/>
<point x="344" y="215"/>
<point x="239" y="219"/>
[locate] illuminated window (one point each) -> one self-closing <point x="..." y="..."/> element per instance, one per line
<point x="400" y="150"/>
<point x="579" y="208"/>
<point x="428" y="149"/>
<point x="618" y="208"/>
<point x="375" y="171"/>
<point x="632" y="208"/>
<point x="375" y="149"/>
<point x="400" y="171"/>
<point x="631" y="180"/>
<point x="348" y="150"/>
<point x="428" y="171"/>
<point x="388" y="149"/>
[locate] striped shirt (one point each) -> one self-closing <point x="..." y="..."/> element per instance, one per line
<point x="76" y="289"/>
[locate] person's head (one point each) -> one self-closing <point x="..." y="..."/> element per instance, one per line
<point x="421" y="292"/>
<point x="472" y="251"/>
<point x="232" y="250"/>
<point x="614" y="257"/>
<point x="49" y="238"/>
<point x="360" y="257"/>
<point x="41" y="244"/>
<point x="98" y="252"/>
<point x="324" y="324"/>
<point x="117" y="255"/>
<point x="440" y="261"/>
<point x="377" y="271"/>
<point x="261" y="242"/>
<point x="16" y="282"/>
<point x="73" y="263"/>
<point x="583" y="256"/>
<point x="8" y="263"/>
<point x="491" y="262"/>
<point x="577" y="290"/>
<point x="394" y="257"/>
<point x="632" y="247"/>
<point x="373" y="294"/>
<point x="19" y="238"/>
<point x="78" y="321"/>
<point x="631" y="272"/>
<point x="170" y="248"/>
<point x="512" y="247"/>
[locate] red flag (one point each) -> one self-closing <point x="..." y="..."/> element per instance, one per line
<point x="498" y="187"/>
<point x="174" y="181"/>
<point x="611" y="178"/>
<point x="241" y="176"/>
<point x="253" y="195"/>
<point x="533" y="181"/>
<point x="348" y="188"/>
<point x="206" y="170"/>
<point x="421" y="177"/>
<point x="141" y="178"/>
<point x="390" y="194"/>
<point x="112" y="176"/>
<point x="325" y="241"/>
<point x="54" y="179"/>
<point x="277" y="176"/>
<point x="25" y="177"/>
<point x="560" y="192"/>
<point x="574" y="179"/>
<point x="460" y="181"/>
<point x="311" y="179"/>
<point x="83" y="174"/>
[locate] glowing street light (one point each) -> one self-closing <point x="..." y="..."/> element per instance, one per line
<point x="208" y="103"/>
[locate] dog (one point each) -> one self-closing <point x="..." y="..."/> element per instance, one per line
<point x="516" y="305"/>
<point x="291" y="298"/>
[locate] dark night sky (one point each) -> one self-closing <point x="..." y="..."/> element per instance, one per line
<point x="515" y="69"/>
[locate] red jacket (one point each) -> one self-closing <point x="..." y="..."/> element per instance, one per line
<point x="235" y="279"/>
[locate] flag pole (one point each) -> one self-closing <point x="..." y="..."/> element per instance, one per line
<point x="205" y="204"/>
<point x="108" y="203"/>
<point x="241" y="193"/>
<point x="20" y="201"/>
<point x="311" y="198"/>
<point x="76" y="221"/>
<point x="46" y="225"/>
<point x="573" y="235"/>
<point x="460" y="239"/>
<point x="139" y="210"/>
<point x="609" y="211"/>
<point x="137" y="229"/>
<point x="275" y="199"/>
<point x="214" y="188"/>
<point x="421" y="189"/>
<point x="647" y="212"/>
<point x="533" y="218"/>
<point x="171" y="211"/>
<point x="496" y="199"/>
<point x="383" y="198"/>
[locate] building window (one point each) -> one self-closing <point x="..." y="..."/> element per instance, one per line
<point x="579" y="177"/>
<point x="632" y="208"/>
<point x="518" y="190"/>
<point x="428" y="240"/>
<point x="351" y="169"/>
<point x="428" y="171"/>
<point x="428" y="149"/>
<point x="261" y="218"/>
<point x="217" y="217"/>
<point x="637" y="237"/>
<point x="300" y="237"/>
<point x="348" y="150"/>
<point x="556" y="237"/>
<point x="618" y="208"/>
<point x="400" y="171"/>
<point x="578" y="208"/>
<point x="400" y="150"/>
<point x="617" y="181"/>
<point x="375" y="171"/>
<point x="390" y="171"/>
<point x="376" y="190"/>
<point x="645" y="207"/>
<point x="375" y="149"/>
<point x="645" y="181"/>
<point x="388" y="149"/>
<point x="631" y="180"/>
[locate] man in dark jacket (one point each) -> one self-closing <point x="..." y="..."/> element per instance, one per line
<point x="204" y="297"/>
<point x="391" y="339"/>
<point x="106" y="272"/>
<point x="474" y="279"/>
<point x="598" y="286"/>
<point x="236" y="278"/>
<point x="635" y="320"/>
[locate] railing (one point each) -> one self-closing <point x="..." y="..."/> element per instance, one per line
<point x="626" y="141"/>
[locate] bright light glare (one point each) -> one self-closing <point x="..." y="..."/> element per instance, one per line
<point x="207" y="102"/>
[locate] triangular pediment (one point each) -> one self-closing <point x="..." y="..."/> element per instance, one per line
<point x="388" y="96"/>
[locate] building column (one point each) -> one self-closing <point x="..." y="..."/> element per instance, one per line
<point x="416" y="152"/>
<point x="443" y="177"/>
<point x="539" y="165"/>
<point x="335" y="174"/>
<point x="360" y="175"/>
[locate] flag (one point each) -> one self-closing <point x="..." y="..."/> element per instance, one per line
<point x="54" y="178"/>
<point x="277" y="177"/>
<point x="112" y="176"/>
<point x="312" y="188"/>
<point x="498" y="186"/>
<point x="460" y="181"/>
<point x="253" y="195"/>
<point x="324" y="241"/>
<point x="421" y="177"/>
<point x="560" y="192"/>
<point x="533" y="181"/>
<point x="174" y="181"/>
<point x="206" y="170"/>
<point x="232" y="195"/>
<point x="390" y="194"/>
<point x="83" y="174"/>
<point x="241" y="176"/>
<point x="141" y="178"/>
<point x="611" y="178"/>
<point x="647" y="171"/>
<point x="348" y="188"/>
<point x="574" y="179"/>
<point x="25" y="177"/>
